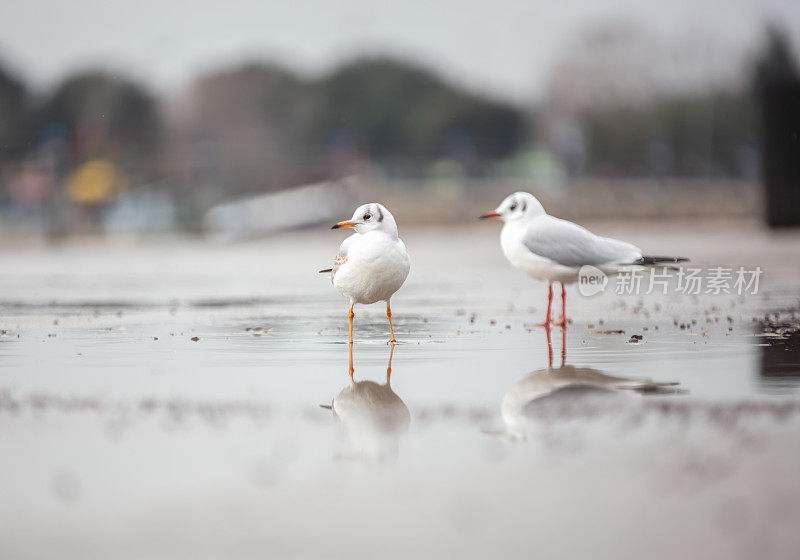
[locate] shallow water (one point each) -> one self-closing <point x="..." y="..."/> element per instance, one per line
<point x="108" y="404"/>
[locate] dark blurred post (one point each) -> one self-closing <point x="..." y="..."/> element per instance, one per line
<point x="778" y="90"/>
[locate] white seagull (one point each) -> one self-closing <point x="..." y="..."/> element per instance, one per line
<point x="374" y="416"/>
<point x="372" y="263"/>
<point x="576" y="388"/>
<point x="554" y="250"/>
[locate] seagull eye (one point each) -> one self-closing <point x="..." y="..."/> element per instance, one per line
<point x="513" y="206"/>
<point x="367" y="217"/>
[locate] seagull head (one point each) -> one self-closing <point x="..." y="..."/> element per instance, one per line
<point x="370" y="217"/>
<point x="515" y="207"/>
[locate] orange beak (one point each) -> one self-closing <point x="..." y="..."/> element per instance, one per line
<point x="491" y="214"/>
<point x="343" y="224"/>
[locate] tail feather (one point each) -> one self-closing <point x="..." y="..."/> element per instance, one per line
<point x="649" y="259"/>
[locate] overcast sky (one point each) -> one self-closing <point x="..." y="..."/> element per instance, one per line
<point x="499" y="46"/>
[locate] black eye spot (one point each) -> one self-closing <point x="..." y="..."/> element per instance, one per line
<point x="367" y="217"/>
<point x="513" y="206"/>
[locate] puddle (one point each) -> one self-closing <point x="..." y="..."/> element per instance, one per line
<point x="185" y="396"/>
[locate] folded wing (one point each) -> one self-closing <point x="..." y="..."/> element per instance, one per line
<point x="341" y="256"/>
<point x="569" y="244"/>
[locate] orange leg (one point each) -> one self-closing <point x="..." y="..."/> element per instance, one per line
<point x="549" y="303"/>
<point x="549" y="346"/>
<point x="351" y="370"/>
<point x="389" y="315"/>
<point x="351" y="323"/>
<point x="389" y="367"/>
<point x="563" y="321"/>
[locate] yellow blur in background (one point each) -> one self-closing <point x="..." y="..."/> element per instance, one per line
<point x="93" y="182"/>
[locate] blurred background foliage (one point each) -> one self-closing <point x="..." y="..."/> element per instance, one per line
<point x="616" y="107"/>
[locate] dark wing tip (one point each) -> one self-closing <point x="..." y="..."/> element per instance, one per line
<point x="649" y="259"/>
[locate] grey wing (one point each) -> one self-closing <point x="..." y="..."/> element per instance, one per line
<point x="569" y="244"/>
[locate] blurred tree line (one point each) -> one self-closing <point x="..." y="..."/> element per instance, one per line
<point x="681" y="107"/>
<point x="260" y="127"/>
<point x="707" y="135"/>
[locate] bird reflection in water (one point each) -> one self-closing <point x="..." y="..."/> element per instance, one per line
<point x="374" y="417"/>
<point x="567" y="391"/>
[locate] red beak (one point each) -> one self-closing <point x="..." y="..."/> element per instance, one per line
<point x="491" y="214"/>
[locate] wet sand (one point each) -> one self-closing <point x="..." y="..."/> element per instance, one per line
<point x="126" y="437"/>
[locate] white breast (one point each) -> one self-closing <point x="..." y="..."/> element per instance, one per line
<point x="375" y="417"/>
<point x="377" y="265"/>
